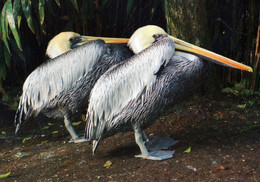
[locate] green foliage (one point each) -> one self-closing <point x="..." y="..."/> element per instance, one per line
<point x="26" y="23"/>
<point x="240" y="90"/>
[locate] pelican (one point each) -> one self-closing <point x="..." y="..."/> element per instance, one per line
<point x="59" y="88"/>
<point x="131" y="95"/>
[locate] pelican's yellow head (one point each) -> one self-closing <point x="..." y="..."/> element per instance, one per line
<point x="144" y="37"/>
<point x="62" y="43"/>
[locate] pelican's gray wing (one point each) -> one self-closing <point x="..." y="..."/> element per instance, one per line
<point x="52" y="77"/>
<point x="123" y="83"/>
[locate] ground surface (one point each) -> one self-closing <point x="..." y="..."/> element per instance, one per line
<point x="224" y="136"/>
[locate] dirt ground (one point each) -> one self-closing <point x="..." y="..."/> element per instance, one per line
<point x="223" y="133"/>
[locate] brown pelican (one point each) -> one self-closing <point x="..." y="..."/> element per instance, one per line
<point x="59" y="88"/>
<point x="132" y="94"/>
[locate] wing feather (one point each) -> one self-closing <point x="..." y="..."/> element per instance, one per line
<point x="123" y="83"/>
<point x="49" y="79"/>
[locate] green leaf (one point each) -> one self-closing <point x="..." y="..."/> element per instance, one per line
<point x="41" y="11"/>
<point x="227" y="90"/>
<point x="16" y="9"/>
<point x="6" y="22"/>
<point x="54" y="132"/>
<point x="129" y="6"/>
<point x="74" y="2"/>
<point x="10" y="18"/>
<point x="4" y="28"/>
<point x="19" y="18"/>
<point x="76" y="123"/>
<point x="246" y="92"/>
<point x="241" y="106"/>
<point x="57" y="2"/>
<point x="188" y="150"/>
<point x="27" y="138"/>
<point x="26" y="5"/>
<point x="5" y="175"/>
<point x="46" y="127"/>
<point x="50" y="124"/>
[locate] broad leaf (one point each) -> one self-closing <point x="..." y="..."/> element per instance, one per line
<point x="10" y="18"/>
<point x="41" y="10"/>
<point x="19" y="18"/>
<point x="16" y="8"/>
<point x="3" y="27"/>
<point x="26" y="5"/>
<point x="57" y="2"/>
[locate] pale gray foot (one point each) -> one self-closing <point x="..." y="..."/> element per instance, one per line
<point x="158" y="143"/>
<point x="158" y="155"/>
<point x="155" y="155"/>
<point x="78" y="140"/>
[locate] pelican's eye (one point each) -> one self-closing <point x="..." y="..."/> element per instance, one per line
<point x="74" y="41"/>
<point x="159" y="36"/>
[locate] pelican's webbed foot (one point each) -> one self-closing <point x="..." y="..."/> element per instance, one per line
<point x="158" y="155"/>
<point x="154" y="155"/>
<point x="78" y="140"/>
<point x="158" y="143"/>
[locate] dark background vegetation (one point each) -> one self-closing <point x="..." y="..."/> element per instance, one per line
<point x="230" y="28"/>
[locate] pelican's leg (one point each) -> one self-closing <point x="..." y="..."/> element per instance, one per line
<point x="155" y="155"/>
<point x="74" y="136"/>
<point x="140" y="143"/>
<point x="145" y="138"/>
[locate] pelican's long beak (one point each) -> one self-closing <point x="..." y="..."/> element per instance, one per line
<point x="183" y="46"/>
<point x="106" y="39"/>
<point x="208" y="55"/>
